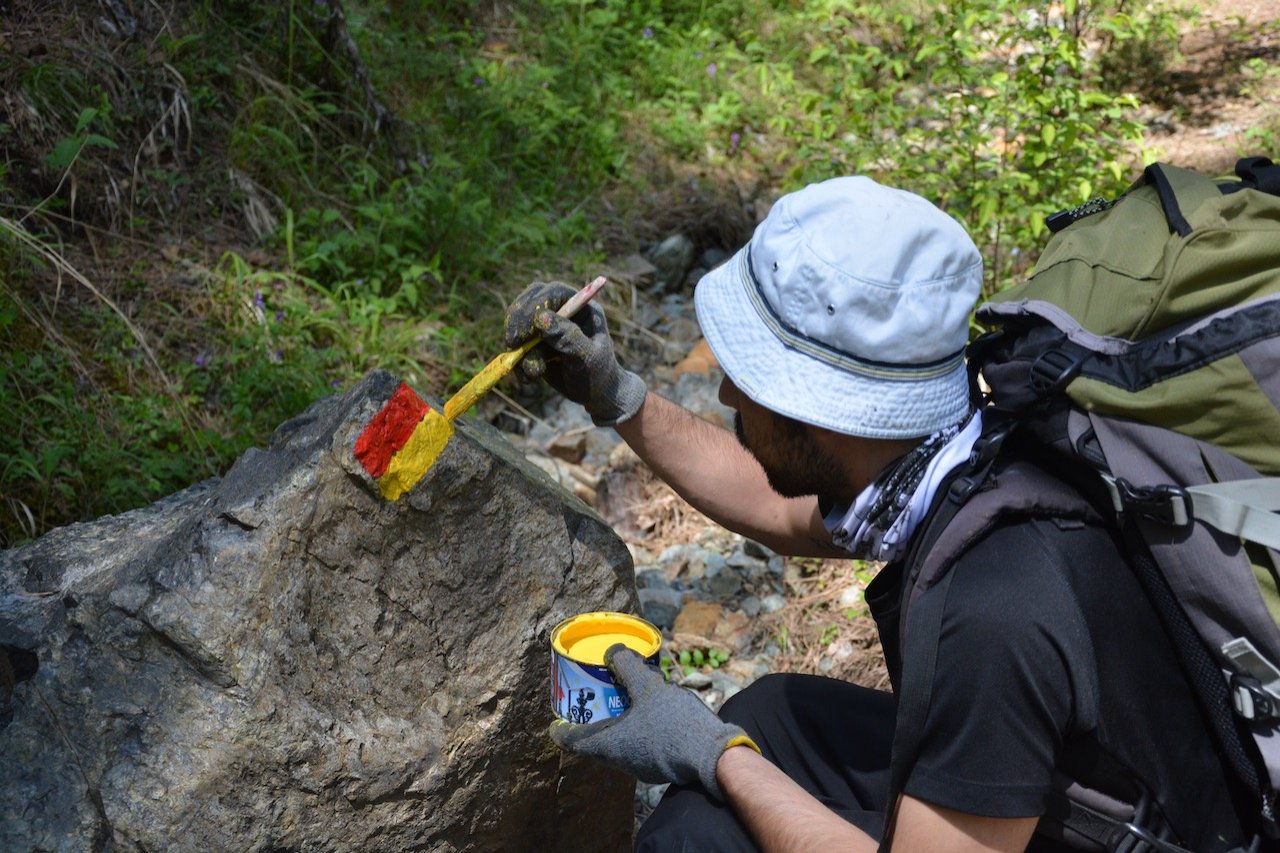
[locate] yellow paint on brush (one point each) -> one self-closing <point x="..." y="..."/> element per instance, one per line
<point x="419" y="453"/>
<point x="491" y="374"/>
<point x="586" y="637"/>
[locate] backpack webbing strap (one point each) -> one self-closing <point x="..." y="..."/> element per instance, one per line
<point x="1242" y="508"/>
<point x="1105" y="830"/>
<point x="1156" y="176"/>
<point x="1206" y="677"/>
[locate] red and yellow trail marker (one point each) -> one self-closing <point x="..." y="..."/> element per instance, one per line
<point x="406" y="437"/>
<point x="401" y="442"/>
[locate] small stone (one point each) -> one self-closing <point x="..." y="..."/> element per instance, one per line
<point x="725" y="583"/>
<point x="570" y="448"/>
<point x="640" y="556"/>
<point x="674" y="553"/>
<point x="660" y="606"/>
<point x="734" y="631"/>
<point x="773" y="603"/>
<point x="712" y="257"/>
<point x="678" y="561"/>
<point x="652" y="579"/>
<point x="696" y="680"/>
<point x="634" y="269"/>
<point x="697" y="617"/>
<point x="750" y="605"/>
<point x="724" y="683"/>
<point x="646" y="316"/>
<point x="653" y="794"/>
<point x="673" y="257"/>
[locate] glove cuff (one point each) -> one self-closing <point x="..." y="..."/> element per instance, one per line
<point x="626" y="401"/>
<point x="733" y="736"/>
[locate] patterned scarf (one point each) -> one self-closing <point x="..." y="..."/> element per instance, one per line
<point x="883" y="518"/>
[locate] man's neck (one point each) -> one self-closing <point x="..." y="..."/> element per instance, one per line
<point x="861" y="459"/>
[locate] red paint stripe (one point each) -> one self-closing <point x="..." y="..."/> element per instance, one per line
<point x="389" y="430"/>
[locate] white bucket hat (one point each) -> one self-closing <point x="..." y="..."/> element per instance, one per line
<point x="849" y="310"/>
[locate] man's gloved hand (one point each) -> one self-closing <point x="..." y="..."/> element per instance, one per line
<point x="575" y="356"/>
<point x="667" y="735"/>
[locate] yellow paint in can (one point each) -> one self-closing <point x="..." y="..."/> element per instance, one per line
<point x="586" y="637"/>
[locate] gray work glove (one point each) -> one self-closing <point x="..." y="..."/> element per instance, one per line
<point x="667" y="735"/>
<point x="576" y="355"/>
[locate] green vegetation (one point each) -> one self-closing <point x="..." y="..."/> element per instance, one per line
<point x="208" y="224"/>
<point x="693" y="660"/>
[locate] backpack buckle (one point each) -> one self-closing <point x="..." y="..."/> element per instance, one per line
<point x="1166" y="504"/>
<point x="1250" y="699"/>
<point x="1053" y="371"/>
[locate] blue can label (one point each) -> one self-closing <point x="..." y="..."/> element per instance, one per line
<point x="582" y="692"/>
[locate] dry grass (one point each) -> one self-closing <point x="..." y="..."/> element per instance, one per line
<point x="645" y="511"/>
<point x="825" y="628"/>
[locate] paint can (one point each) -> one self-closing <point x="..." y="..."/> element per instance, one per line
<point x="582" y="688"/>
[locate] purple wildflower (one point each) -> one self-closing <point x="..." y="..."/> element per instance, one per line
<point x="648" y="32"/>
<point x="336" y="383"/>
<point x="711" y="69"/>
<point x="734" y="139"/>
<point x="259" y="300"/>
<point x="201" y="360"/>
<point x="279" y="316"/>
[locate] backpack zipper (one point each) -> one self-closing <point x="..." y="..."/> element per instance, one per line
<point x="1063" y="218"/>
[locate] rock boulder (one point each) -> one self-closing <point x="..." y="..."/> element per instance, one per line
<point x="283" y="660"/>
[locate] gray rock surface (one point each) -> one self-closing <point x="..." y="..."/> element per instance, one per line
<point x="283" y="660"/>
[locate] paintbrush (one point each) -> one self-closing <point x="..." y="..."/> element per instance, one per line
<point x="430" y="436"/>
<point x="492" y="372"/>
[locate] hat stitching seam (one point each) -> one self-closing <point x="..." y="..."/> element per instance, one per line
<point x="823" y="352"/>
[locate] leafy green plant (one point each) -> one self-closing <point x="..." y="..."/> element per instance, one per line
<point x="67" y="150"/>
<point x="693" y="660"/>
<point x="993" y="108"/>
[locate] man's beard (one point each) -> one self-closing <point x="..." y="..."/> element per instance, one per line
<point x="794" y="465"/>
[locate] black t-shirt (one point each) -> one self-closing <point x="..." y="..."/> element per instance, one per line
<point x="1051" y="657"/>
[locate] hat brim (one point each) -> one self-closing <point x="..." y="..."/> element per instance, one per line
<point x="863" y="399"/>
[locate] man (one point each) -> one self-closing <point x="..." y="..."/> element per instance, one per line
<point x="841" y="330"/>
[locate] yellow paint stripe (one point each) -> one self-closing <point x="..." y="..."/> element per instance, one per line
<point x="419" y="453"/>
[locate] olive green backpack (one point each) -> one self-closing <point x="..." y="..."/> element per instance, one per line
<point x="1145" y="352"/>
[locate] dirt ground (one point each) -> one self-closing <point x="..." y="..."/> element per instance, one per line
<point x="1221" y="99"/>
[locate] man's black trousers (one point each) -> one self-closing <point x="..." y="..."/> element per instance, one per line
<point x="831" y="737"/>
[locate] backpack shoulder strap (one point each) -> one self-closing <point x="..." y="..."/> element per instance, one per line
<point x="993" y="488"/>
